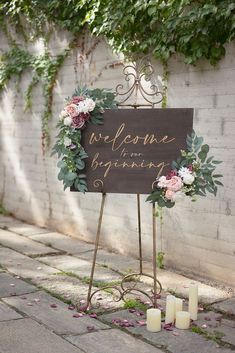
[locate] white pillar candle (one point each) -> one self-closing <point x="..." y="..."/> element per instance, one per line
<point x="193" y="301"/>
<point x="170" y="309"/>
<point x="182" y="320"/>
<point x="154" y="320"/>
<point x="178" y="305"/>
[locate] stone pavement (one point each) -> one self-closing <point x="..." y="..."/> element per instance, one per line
<point x="44" y="276"/>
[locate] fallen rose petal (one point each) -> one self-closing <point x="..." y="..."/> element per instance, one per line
<point x="207" y="318"/>
<point x="78" y="315"/>
<point x="204" y="326"/>
<point x="83" y="308"/>
<point x="168" y="327"/>
<point x="93" y="315"/>
<point x="12" y="285"/>
<point x="200" y="309"/>
<point x="36" y="300"/>
<point x="90" y="328"/>
<point x="175" y="333"/>
<point x="141" y="322"/>
<point x="71" y="307"/>
<point x="53" y="306"/>
<point x="29" y="304"/>
<point x="18" y="277"/>
<point x="82" y="301"/>
<point x="39" y="268"/>
<point x="132" y="310"/>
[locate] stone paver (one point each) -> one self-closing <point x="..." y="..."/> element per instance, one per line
<point x="63" y="242"/>
<point x="180" y="285"/>
<point x="216" y="325"/>
<point x="226" y="306"/>
<point x="114" y="341"/>
<point x="177" y="341"/>
<point x="24" y="245"/>
<point x="59" y="318"/>
<point x="27" y="336"/>
<point x="6" y="313"/>
<point x="70" y="288"/>
<point x="114" y="261"/>
<point x="10" y="285"/>
<point x="22" y="265"/>
<point x="81" y="268"/>
<point x="26" y="229"/>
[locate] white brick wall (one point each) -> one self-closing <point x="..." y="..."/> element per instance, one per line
<point x="197" y="237"/>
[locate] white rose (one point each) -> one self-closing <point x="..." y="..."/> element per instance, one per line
<point x="188" y="179"/>
<point x="67" y="141"/>
<point x="162" y="182"/>
<point x="90" y="104"/>
<point x="63" y="114"/>
<point x="68" y="121"/>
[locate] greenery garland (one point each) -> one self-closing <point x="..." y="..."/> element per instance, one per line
<point x="191" y="175"/>
<point x="84" y="107"/>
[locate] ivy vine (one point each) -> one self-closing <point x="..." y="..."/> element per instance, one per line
<point x="194" y="29"/>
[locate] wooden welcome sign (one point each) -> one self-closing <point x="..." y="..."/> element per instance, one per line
<point x="133" y="147"/>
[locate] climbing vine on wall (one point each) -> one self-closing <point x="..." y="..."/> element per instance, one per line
<point x="194" y="29"/>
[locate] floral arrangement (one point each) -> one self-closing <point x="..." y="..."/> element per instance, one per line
<point x="84" y="107"/>
<point x="192" y="174"/>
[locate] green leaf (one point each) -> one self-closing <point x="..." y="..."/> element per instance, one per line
<point x="71" y="176"/>
<point x="218" y="183"/>
<point x="205" y="148"/>
<point x="216" y="162"/>
<point x="80" y="164"/>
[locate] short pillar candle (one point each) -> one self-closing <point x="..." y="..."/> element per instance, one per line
<point x="182" y="320"/>
<point x="178" y="305"/>
<point x="193" y="301"/>
<point x="170" y="309"/>
<point x="154" y="320"/>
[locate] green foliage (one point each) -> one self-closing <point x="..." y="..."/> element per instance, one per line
<point x="134" y="304"/>
<point x="3" y="211"/>
<point x="160" y="259"/>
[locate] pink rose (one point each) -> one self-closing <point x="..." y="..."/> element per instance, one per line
<point x="77" y="99"/>
<point x="169" y="194"/>
<point x="78" y="122"/>
<point x="71" y="109"/>
<point x="175" y="183"/>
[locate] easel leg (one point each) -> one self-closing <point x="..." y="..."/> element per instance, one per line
<point x="139" y="232"/>
<point x="96" y="249"/>
<point x="154" y="260"/>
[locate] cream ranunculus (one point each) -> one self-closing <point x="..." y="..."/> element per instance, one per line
<point x="67" y="121"/>
<point x="188" y="179"/>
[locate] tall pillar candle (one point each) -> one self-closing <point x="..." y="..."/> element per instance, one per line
<point x="193" y="301"/>
<point x="182" y="320"/>
<point x="154" y="320"/>
<point x="178" y="305"/>
<point x="170" y="309"/>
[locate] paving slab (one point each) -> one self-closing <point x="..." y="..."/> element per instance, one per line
<point x="79" y="267"/>
<point x="120" y="263"/>
<point x="226" y="306"/>
<point x="10" y="285"/>
<point x="26" y="229"/>
<point x="180" y="285"/>
<point x="63" y="242"/>
<point x="113" y="340"/>
<point x="28" y="336"/>
<point x="22" y="265"/>
<point x="6" y="313"/>
<point x="24" y="245"/>
<point x="53" y="313"/>
<point x="216" y="325"/>
<point x="70" y="288"/>
<point x="176" y="341"/>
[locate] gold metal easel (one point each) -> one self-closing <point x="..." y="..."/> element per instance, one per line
<point x="135" y="74"/>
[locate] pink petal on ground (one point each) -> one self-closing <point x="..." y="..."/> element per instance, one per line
<point x="93" y="315"/>
<point x="39" y="268"/>
<point x="77" y="315"/>
<point x="36" y="300"/>
<point x="83" y="308"/>
<point x="53" y="306"/>
<point x="200" y="309"/>
<point x="204" y="326"/>
<point x="71" y="307"/>
<point x="141" y="322"/>
<point x="168" y="327"/>
<point x="29" y="304"/>
<point x="132" y="310"/>
<point x="207" y="318"/>
<point x="12" y="285"/>
<point x="82" y="301"/>
<point x="175" y="333"/>
<point x="18" y="277"/>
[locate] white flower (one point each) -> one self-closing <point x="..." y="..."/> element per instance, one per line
<point x="63" y="114"/>
<point x="183" y="171"/>
<point x="188" y="179"/>
<point x="67" y="141"/>
<point x="162" y="182"/>
<point x="86" y="106"/>
<point x="67" y="121"/>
